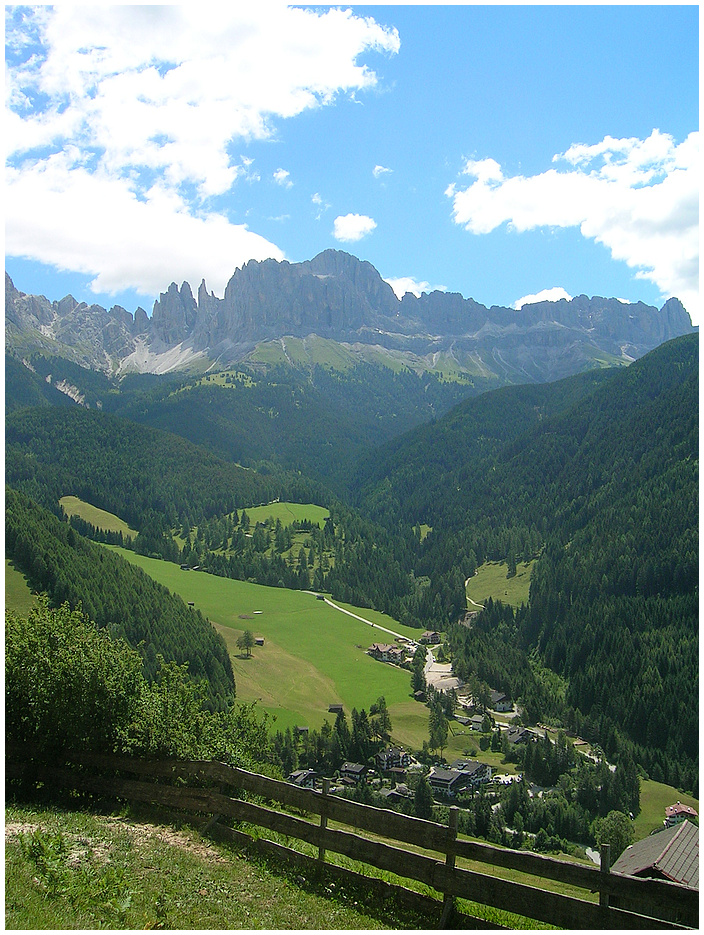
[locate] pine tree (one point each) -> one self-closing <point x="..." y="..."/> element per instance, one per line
<point x="423" y="799"/>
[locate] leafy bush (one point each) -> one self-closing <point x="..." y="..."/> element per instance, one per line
<point x="67" y="684"/>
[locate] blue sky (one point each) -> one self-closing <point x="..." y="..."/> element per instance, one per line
<point x="496" y="151"/>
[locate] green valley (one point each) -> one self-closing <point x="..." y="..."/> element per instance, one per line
<point x="548" y="532"/>
<point x="313" y="654"/>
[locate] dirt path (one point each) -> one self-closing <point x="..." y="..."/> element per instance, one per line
<point x="469" y="599"/>
<point x="140" y="833"/>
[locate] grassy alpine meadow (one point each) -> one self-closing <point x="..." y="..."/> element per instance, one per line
<point x="288" y="513"/>
<point x="490" y="581"/>
<point x="313" y="654"/>
<point x="101" y="519"/>
<point x="18" y="594"/>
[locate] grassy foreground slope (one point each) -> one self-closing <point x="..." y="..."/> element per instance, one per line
<point x="313" y="655"/>
<point x="117" y="873"/>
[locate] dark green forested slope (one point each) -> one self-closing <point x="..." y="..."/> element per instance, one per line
<point x="114" y="594"/>
<point x="315" y="419"/>
<point x="127" y="469"/>
<point x="24" y="388"/>
<point x="606" y="492"/>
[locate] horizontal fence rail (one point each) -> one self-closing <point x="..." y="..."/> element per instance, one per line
<point x="651" y="903"/>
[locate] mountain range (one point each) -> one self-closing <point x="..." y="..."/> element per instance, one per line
<point x="336" y="297"/>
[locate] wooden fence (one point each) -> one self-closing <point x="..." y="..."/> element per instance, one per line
<point x="201" y="786"/>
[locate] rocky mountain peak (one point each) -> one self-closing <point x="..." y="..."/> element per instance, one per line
<point x="335" y="295"/>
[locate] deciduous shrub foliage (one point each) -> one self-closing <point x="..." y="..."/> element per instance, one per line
<point x="70" y="686"/>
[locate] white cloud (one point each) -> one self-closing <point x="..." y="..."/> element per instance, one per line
<point x="351" y="227"/>
<point x="404" y="284"/>
<point x="151" y="98"/>
<point x="283" y="177"/>
<point x="639" y="198"/>
<point x="321" y="205"/>
<point x="378" y="171"/>
<point x="545" y="295"/>
<point x="93" y="224"/>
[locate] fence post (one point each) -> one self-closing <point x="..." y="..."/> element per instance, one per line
<point x="323" y="819"/>
<point x="448" y="905"/>
<point x="605" y="868"/>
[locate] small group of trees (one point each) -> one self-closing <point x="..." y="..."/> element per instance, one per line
<point x="325" y="750"/>
<point x="245" y="642"/>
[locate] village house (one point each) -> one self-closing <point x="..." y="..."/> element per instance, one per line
<point x="448" y="782"/>
<point x="353" y="771"/>
<point x="398" y="773"/>
<point x="400" y="793"/>
<point x="678" y="812"/>
<point x="304" y="778"/>
<point x="393" y="757"/>
<point x="500" y="702"/>
<point x="475" y="771"/>
<point x="430" y="636"/>
<point x="518" y="735"/>
<point x="476" y="722"/>
<point x="387" y="652"/>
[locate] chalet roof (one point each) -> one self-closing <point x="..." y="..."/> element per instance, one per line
<point x="672" y="811"/>
<point x="400" y="792"/>
<point x="352" y="768"/>
<point x="466" y="766"/>
<point x="447" y="776"/>
<point x="497" y="696"/>
<point x="518" y="735"/>
<point x="672" y="853"/>
<point x="301" y="774"/>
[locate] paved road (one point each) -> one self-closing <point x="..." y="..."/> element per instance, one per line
<point x="362" y="619"/>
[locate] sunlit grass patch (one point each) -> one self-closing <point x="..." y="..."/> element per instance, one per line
<point x="490" y="581"/>
<point x="101" y="519"/>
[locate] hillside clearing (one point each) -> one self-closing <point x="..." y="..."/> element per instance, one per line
<point x="18" y="594"/>
<point x="288" y="513"/>
<point x="654" y="799"/>
<point x="490" y="581"/>
<point x="101" y="519"/>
